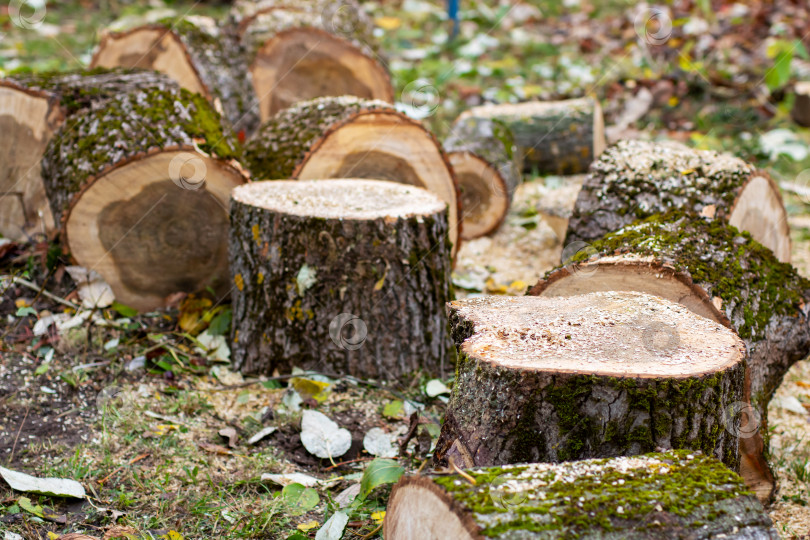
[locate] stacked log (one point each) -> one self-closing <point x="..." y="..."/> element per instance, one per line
<point x="344" y="276"/>
<point x="349" y="137"/>
<point x="32" y="108"/>
<point x="140" y="185"/>
<point x="554" y="137"/>
<point x="312" y="48"/>
<point x="197" y="53"/>
<point x="636" y="179"/>
<point x="486" y="162"/>
<point x="676" y="494"/>
<point x="597" y="375"/>
<point x="720" y="273"/>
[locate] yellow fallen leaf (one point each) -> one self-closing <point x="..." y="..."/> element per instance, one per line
<point x="673" y="101"/>
<point x="307" y="526"/>
<point x="22" y="302"/>
<point x="518" y="284"/>
<point x="388" y="23"/>
<point x="310" y="388"/>
<point x="52" y="535"/>
<point x="494" y="288"/>
<point x="378" y="516"/>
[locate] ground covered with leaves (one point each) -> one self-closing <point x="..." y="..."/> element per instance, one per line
<point x="168" y="442"/>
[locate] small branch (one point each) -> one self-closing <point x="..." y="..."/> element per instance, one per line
<point x="403" y="443"/>
<point x="40" y="290"/>
<point x="119" y="469"/>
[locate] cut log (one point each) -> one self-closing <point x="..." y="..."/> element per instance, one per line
<point x="348" y="137"/>
<point x="599" y="375"/>
<point x="555" y="137"/>
<point x="801" y="104"/>
<point x="140" y="185"/>
<point x="635" y="179"/>
<point x="311" y="49"/>
<point x="32" y="107"/>
<point x="675" y="494"/>
<point x="344" y="276"/>
<point x="717" y="272"/>
<point x="485" y="160"/>
<point x="195" y="52"/>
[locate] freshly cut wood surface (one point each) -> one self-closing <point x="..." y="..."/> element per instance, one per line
<point x="597" y="375"/>
<point x="140" y="185"/>
<point x="348" y="137"/>
<point x="676" y="494"/>
<point x="554" y="137"/>
<point x="200" y="55"/>
<point x="718" y="272"/>
<point x="635" y="179"/>
<point x="310" y="49"/>
<point x="346" y="276"/>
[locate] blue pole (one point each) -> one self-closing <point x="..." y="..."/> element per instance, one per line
<point x="452" y="14"/>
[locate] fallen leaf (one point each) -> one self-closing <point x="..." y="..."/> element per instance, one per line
<point x="393" y="409"/>
<point x="261" y="434"/>
<point x="322" y="437"/>
<point x="230" y="434"/>
<point x="436" y="387"/>
<point x="379" y="443"/>
<point x="307" y="526"/>
<point x="378" y="517"/>
<point x="789" y="403"/>
<point x="291" y="478"/>
<point x="345" y="497"/>
<point x="57" y="487"/>
<point x="379" y="472"/>
<point x="215" y="449"/>
<point x="334" y="527"/>
<point x="93" y="291"/>
<point x="299" y="499"/>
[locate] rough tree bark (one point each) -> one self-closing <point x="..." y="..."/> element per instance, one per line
<point x="348" y="137"/>
<point x="201" y="56"/>
<point x="486" y="162"/>
<point x="345" y="276"/>
<point x="675" y="494"/>
<point x="717" y="272"/>
<point x="599" y="375"/>
<point x="140" y="185"/>
<point x="555" y="137"/>
<point x="635" y="179"/>
<point x="32" y="108"/>
<point x="801" y="105"/>
<point x="312" y="48"/>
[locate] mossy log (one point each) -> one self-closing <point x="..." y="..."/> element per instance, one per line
<point x="720" y="273"/>
<point x="32" y="108"/>
<point x="554" y="137"/>
<point x="636" y="179"/>
<point x="200" y="55"/>
<point x="309" y="49"/>
<point x="661" y="496"/>
<point x="598" y="375"/>
<point x="140" y="185"/>
<point x="344" y="276"/>
<point x="801" y="104"/>
<point x="486" y="162"/>
<point x="349" y="137"/>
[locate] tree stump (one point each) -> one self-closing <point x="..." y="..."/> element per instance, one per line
<point x="348" y="137"/>
<point x="485" y="160"/>
<point x="201" y="56"/>
<point x="555" y="137"/>
<point x="675" y="494"/>
<point x="635" y="179"/>
<point x="140" y="185"/>
<point x="717" y="272"/>
<point x="32" y="108"/>
<point x="345" y="276"/>
<point x="598" y="375"/>
<point x="311" y="49"/>
<point x="801" y="104"/>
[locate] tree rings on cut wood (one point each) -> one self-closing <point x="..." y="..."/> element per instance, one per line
<point x="717" y="272"/>
<point x="201" y="56"/>
<point x="310" y="49"/>
<point x="345" y="276"/>
<point x="635" y="179"/>
<point x="597" y="375"/>
<point x="486" y="163"/>
<point x="348" y="137"/>
<point x="32" y="108"/>
<point x="555" y="137"/>
<point x="140" y="185"/>
<point x="675" y="494"/>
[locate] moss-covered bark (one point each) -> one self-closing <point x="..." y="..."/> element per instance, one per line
<point x="280" y="146"/>
<point x="554" y="137"/>
<point x="636" y="179"/>
<point x="295" y="275"/>
<point x="677" y="494"/>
